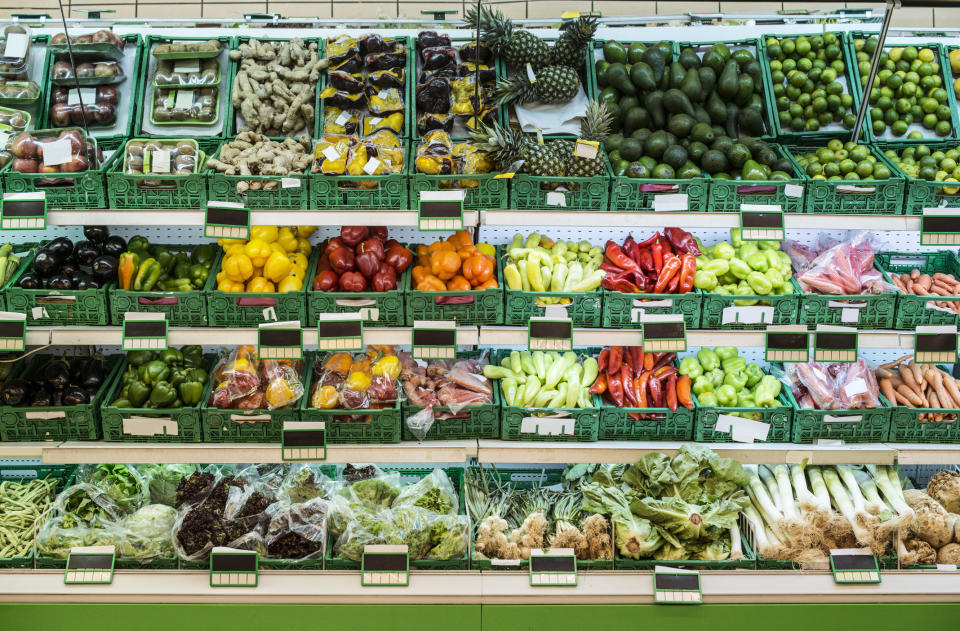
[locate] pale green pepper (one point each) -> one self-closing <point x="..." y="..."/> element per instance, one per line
<point x="744" y="289"/>
<point x="726" y="352"/>
<point x="718" y="266"/>
<point x="767" y="391"/>
<point x="726" y="396"/>
<point x="759" y="283"/>
<point x="773" y="258"/>
<point x="705" y="280"/>
<point x="733" y="364"/>
<point x="701" y="384"/>
<point x="736" y="237"/>
<point x="737" y="379"/>
<point x="723" y="250"/>
<point x="747" y="250"/>
<point x="739" y="268"/>
<point x="775" y="277"/>
<point x="691" y="367"/>
<point x="710" y="358"/>
<point x="754" y="374"/>
<point x="715" y="376"/>
<point x="785" y="288"/>
<point x="745" y="399"/>
<point x="728" y="289"/>
<point x="708" y="399"/>
<point x="758" y="261"/>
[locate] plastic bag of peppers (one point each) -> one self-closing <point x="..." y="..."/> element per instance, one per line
<point x="146" y="267"/>
<point x="165" y="379"/>
<point x="631" y="378"/>
<point x="662" y="264"/>
<point x="243" y="381"/>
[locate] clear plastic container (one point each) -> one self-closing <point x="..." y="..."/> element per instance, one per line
<point x="14" y="50"/>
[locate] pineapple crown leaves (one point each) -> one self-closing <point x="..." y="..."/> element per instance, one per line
<point x="581" y="31"/>
<point x="597" y="122"/>
<point x="503" y="144"/>
<point x="518" y="88"/>
<point x="495" y="28"/>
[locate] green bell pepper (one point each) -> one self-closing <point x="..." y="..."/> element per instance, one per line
<point x="747" y="250"/>
<point x="754" y="374"/>
<point x="775" y="277"/>
<point x="177" y="376"/>
<point x="138" y="358"/>
<point x="196" y="374"/>
<point x="129" y="375"/>
<point x="767" y="391"/>
<point x="701" y="384"/>
<point x="203" y="254"/>
<point x="153" y="372"/>
<point x="715" y="376"/>
<point x="175" y="284"/>
<point x="181" y="270"/>
<point x="707" y="399"/>
<point x="138" y="242"/>
<point x="726" y="396"/>
<point x="726" y="352"/>
<point x="137" y="393"/>
<point x="745" y="399"/>
<point x="163" y="394"/>
<point x="718" y="266"/>
<point x="147" y="276"/>
<point x="192" y="356"/>
<point x="171" y="356"/>
<point x="736" y="237"/>
<point x="733" y="364"/>
<point x="691" y="367"/>
<point x="768" y="245"/>
<point x="191" y="392"/>
<point x="198" y="275"/>
<point x="164" y="257"/>
<point x="773" y="258"/>
<point x="122" y="403"/>
<point x="705" y="280"/>
<point x="723" y="250"/>
<point x="736" y="379"/>
<point x="739" y="268"/>
<point x="760" y="283"/>
<point x="709" y="358"/>
<point x="758" y="261"/>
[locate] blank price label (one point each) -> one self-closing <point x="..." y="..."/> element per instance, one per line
<point x="440" y="210"/>
<point x="664" y="333"/>
<point x="935" y="345"/>
<point x="304" y="441"/>
<point x="13" y="331"/>
<point x="835" y="344"/>
<point x="548" y="334"/>
<point x="233" y="568"/>
<point x="23" y="211"/>
<point x="674" y="586"/>
<point x="340" y="332"/>
<point x="940" y="226"/>
<point x="555" y="568"/>
<point x="144" y="331"/>
<point x="385" y="565"/>
<point x="91" y="565"/>
<point x="788" y="344"/>
<point x="280" y="340"/>
<point x="761" y="222"/>
<point x="854" y="565"/>
<point x="434" y="340"/>
<point x="227" y="220"/>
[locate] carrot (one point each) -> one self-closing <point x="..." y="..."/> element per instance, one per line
<point x="910" y="379"/>
<point x="919" y="377"/>
<point x="916" y="400"/>
<point x="886" y="387"/>
<point x="683" y="391"/>
<point x="950" y="384"/>
<point x="942" y="396"/>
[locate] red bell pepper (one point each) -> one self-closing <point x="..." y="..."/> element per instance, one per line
<point x="399" y="257"/>
<point x="352" y="235"/>
<point x="688" y="268"/>
<point x="342" y="260"/>
<point x="618" y="258"/>
<point x="371" y="245"/>
<point x="385" y="279"/>
<point x="352" y="281"/>
<point x="682" y="241"/>
<point x="615" y="388"/>
<point x="657" y="251"/>
<point x="325" y="280"/>
<point x="671" y="267"/>
<point x="367" y="262"/>
<point x="378" y="232"/>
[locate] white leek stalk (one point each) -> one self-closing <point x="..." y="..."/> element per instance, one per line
<point x="844" y="504"/>
<point x="889" y="484"/>
<point x="805" y="499"/>
<point x="771" y="483"/>
<point x="850" y="481"/>
<point x="758" y="493"/>
<point x="819" y="488"/>
<point x="736" y="546"/>
<point x="875" y="505"/>
<point x="766" y="541"/>
<point x="782" y="475"/>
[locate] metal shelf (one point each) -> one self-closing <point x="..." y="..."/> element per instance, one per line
<point x="181" y="217"/>
<point x="499" y="587"/>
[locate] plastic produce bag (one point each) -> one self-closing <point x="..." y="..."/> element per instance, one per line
<point x="83" y="504"/>
<point x="305" y="482"/>
<point x="297" y="531"/>
<point x="857" y="386"/>
<point x="435" y="492"/>
<point x="146" y="533"/>
<point x="845" y="268"/>
<point x="163" y="480"/>
<point x="377" y="492"/>
<point x="123" y="484"/>
<point x="284" y="387"/>
<point x="203" y="525"/>
<point x="448" y="537"/>
<point x="420" y="423"/>
<point x="58" y="535"/>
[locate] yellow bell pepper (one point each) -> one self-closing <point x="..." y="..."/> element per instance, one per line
<point x="325" y="398"/>
<point x="277" y="267"/>
<point x="388" y="365"/>
<point x="264" y="233"/>
<point x="238" y="267"/>
<point x="236" y="248"/>
<point x="486" y="248"/>
<point x="358" y="381"/>
<point x="227" y="243"/>
<point x="230" y="286"/>
<point x="279" y="393"/>
<point x="276" y="247"/>
<point x="305" y="231"/>
<point x="290" y="283"/>
<point x="257" y="271"/>
<point x="298" y="259"/>
<point x="303" y="246"/>
<point x="259" y="285"/>
<point x="287" y="239"/>
<point x="258" y="250"/>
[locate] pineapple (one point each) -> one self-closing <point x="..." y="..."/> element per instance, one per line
<point x="505" y="146"/>
<point x="570" y="48"/>
<point x="554" y="84"/>
<point x="517" y="47"/>
<point x="594" y="126"/>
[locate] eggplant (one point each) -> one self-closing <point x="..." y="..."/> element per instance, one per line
<point x="76" y="368"/>
<point x="41" y="397"/>
<point x="56" y="374"/>
<point x="30" y="280"/>
<point x="84" y="253"/>
<point x="96" y="234"/>
<point x="95" y="283"/>
<point x="14" y="391"/>
<point x="86" y="281"/>
<point x="57" y="396"/>
<point x="61" y="246"/>
<point x="75" y="395"/>
<point x="91" y="374"/>
<point x="114" y="246"/>
<point x="69" y="269"/>
<point x="92" y="393"/>
<point x="46" y="262"/>
<point x="105" y="267"/>
<point x="60" y="281"/>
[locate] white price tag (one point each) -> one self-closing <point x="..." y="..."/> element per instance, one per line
<point x="186" y="66"/>
<point x="793" y="190"/>
<point x="849" y="316"/>
<point x="343" y="118"/>
<point x="747" y="315"/>
<point x="184" y="100"/>
<point x="671" y="203"/>
<point x="742" y="430"/>
<point x="531" y="75"/>
<point x="947" y="567"/>
<point x="855" y="387"/>
<point x="371" y="166"/>
<point x="57" y="152"/>
<point x="289" y="182"/>
<point x="88" y="95"/>
<point x="16" y="46"/>
<point x="331" y="153"/>
<point x="586" y="149"/>
<point x="557" y="198"/>
<point x="160" y="161"/>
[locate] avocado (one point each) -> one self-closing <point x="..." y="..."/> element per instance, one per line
<point x="744" y="90"/>
<point x="680" y="125"/>
<point x="631" y="149"/>
<point x="701" y="114"/>
<point x="677" y="73"/>
<point x="619" y="167"/>
<point x="708" y="79"/>
<point x="635" y="52"/>
<point x="688" y="58"/>
<point x="688" y="171"/>
<point x="614" y="52"/>
<point x="617" y="113"/>
<point x="750" y="121"/>
<point x="648" y="162"/>
<point x="641" y="134"/>
<point x="726" y="84"/>
<point x="635" y="119"/>
<point x="608" y="95"/>
<point x="675" y="156"/>
<point x="752" y="68"/>
<point x="654" y="104"/>
<point x="613" y="142"/>
<point x="638" y="170"/>
<point x="692" y="88"/>
<point x="696" y="150"/>
<point x="714" y="161"/>
<point x="783" y="165"/>
<point x="732" y="113"/>
<point x="655" y="58"/>
<point x="723" y="144"/>
<point x="618" y="78"/>
<point x="780" y="176"/>
<point x="766" y="156"/>
<point x="719" y="131"/>
<point x="641" y="74"/>
<point x="676" y="102"/>
<point x="627" y="103"/>
<point x="666" y="48"/>
<point x="714" y="60"/>
<point x="742" y="56"/>
<point x="702" y="132"/>
<point x="656" y="144"/>
<point x="722" y="49"/>
<point x="600" y="68"/>
<point x="752" y="171"/>
<point x="738" y="155"/>
<point x="664" y="172"/>
<point x="756" y="102"/>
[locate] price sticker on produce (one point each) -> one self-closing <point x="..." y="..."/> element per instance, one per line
<point x="280" y="340"/>
<point x="854" y="565"/>
<point x="230" y="567"/>
<point x="144" y="331"/>
<point x="440" y="210"/>
<point x="340" y="332"/>
<point x="13" y="331"/>
<point x="835" y="344"/>
<point x="788" y="344"/>
<point x="303" y="441"/>
<point x="546" y="333"/>
<point x="556" y="567"/>
<point x="940" y="226"/>
<point x="434" y="339"/>
<point x="226" y="220"/>
<point x="935" y="345"/>
<point x="23" y="211"/>
<point x="385" y="565"/>
<point x="676" y="586"/>
<point x="90" y="565"/>
<point x="761" y="222"/>
<point x="664" y="333"/>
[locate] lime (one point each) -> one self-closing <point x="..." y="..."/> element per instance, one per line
<point x="890" y="116"/>
<point x="948" y="165"/>
<point x="805" y="65"/>
<point x="838" y="66"/>
<point x="899" y="127"/>
<point x="789" y="64"/>
<point x="846" y="100"/>
<point x="895" y="53"/>
<point x="825" y="154"/>
<point x="942" y="128"/>
<point x="788" y="45"/>
<point x="783" y="104"/>
<point x="814" y="169"/>
<point x="796" y="110"/>
<point x="925" y="70"/>
<point x="864" y="169"/>
<point x="943" y="113"/>
<point x="870" y="45"/>
<point x="927" y="173"/>
<point x="804" y="99"/>
<point x="825" y="118"/>
<point x="841" y="154"/>
<point x="926" y="55"/>
<point x="784" y="119"/>
<point x="831" y="169"/>
<point x="812" y="124"/>
<point x="894" y="82"/>
<point x="879" y="126"/>
<point x="797" y="124"/>
<point x="929" y="121"/>
<point x="803" y="45"/>
<point x="832" y="52"/>
<point x="939" y="94"/>
<point x="819" y="104"/>
<point x="910" y="53"/>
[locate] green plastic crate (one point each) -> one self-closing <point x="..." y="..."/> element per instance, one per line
<point x="846" y="79"/>
<point x="727" y="196"/>
<point x="63" y="474"/>
<point x="778" y="418"/>
<point x="906" y="426"/>
<point x="616" y="423"/>
<point x="178" y="191"/>
<point x="466" y="307"/>
<point x="186" y="421"/>
<point x="524" y="478"/>
<point x="490" y="192"/>
<point x="586" y="423"/>
<point x="53" y="307"/>
<point x="246" y="309"/>
<point x="623" y="311"/>
<point x="843" y="197"/>
<point x="183" y="308"/>
<point x="333" y="192"/>
<point x="156" y="563"/>
<point x="785" y="310"/>
<point x="876" y="312"/>
<point x="411" y="475"/>
<point x="382" y="425"/>
<point x="69" y="422"/>
<point x="530" y="192"/>
<point x="921" y="193"/>
<point x="376" y="308"/>
<point x="912" y="309"/>
<point x="247" y="426"/>
<point x="633" y="194"/>
<point x="83" y="190"/>
<point x="585" y="309"/>
<point x="472" y="421"/>
<point x="863" y="426"/>
<point x="290" y="192"/>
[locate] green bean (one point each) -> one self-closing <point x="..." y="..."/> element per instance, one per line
<point x="21" y="505"/>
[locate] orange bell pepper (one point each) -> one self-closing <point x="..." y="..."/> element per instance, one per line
<point x="444" y="264"/>
<point x="460" y="239"/>
<point x="423" y="255"/>
<point x="490" y="284"/>
<point x="420" y="271"/>
<point x="431" y="283"/>
<point x="458" y="283"/>
<point x="440" y="246"/>
<point x="478" y="269"/>
<point x="467" y="251"/>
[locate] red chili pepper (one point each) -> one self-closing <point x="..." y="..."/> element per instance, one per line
<point x="600" y="385"/>
<point x="688" y="268"/>
<point x="628" y="359"/>
<point x="649" y="242"/>
<point x="631" y="249"/>
<point x="683" y="241"/>
<point x="616" y="358"/>
<point x="656" y="393"/>
<point x="610" y="268"/>
<point x="674" y="284"/>
<point x="626" y="379"/>
<point x="672" y="393"/>
<point x="667" y="248"/>
<point x="615" y="388"/>
<point x="657" y="251"/>
<point x="637" y="363"/>
<point x="618" y="258"/>
<point x="664" y="371"/>
<point x="671" y="267"/>
<point x="619" y="283"/>
<point x="663" y="359"/>
<point x="648" y="360"/>
<point x="646" y="260"/>
<point x="602" y="359"/>
<point x="640" y="385"/>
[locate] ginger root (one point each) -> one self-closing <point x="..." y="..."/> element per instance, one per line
<point x="251" y="153"/>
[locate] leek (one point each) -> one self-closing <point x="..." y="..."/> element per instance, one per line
<point x="889" y="484"/>
<point x="736" y="548"/>
<point x="806" y="499"/>
<point x="767" y="545"/>
<point x="845" y="504"/>
<point x="875" y="505"/>
<point x="850" y="481"/>
<point x="771" y="484"/>
<point x="782" y="475"/>
<point x="758" y="493"/>
<point x="819" y="488"/>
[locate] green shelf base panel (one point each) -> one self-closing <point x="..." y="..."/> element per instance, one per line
<point x="532" y="192"/>
<point x="88" y="306"/>
<point x="620" y="311"/>
<point x="616" y="424"/>
<point x="877" y="314"/>
<point x="631" y="194"/>
<point x="288" y="192"/>
<point x="779" y="419"/>
<point x="228" y="426"/>
<point x="912" y="310"/>
<point x="467" y="308"/>
<point x="906" y="427"/>
<point x="865" y="426"/>
<point x="83" y="190"/>
<point x="251" y="309"/>
<point x="489" y="193"/>
<point x="177" y="191"/>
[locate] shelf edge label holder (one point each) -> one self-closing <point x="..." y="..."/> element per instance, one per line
<point x="23" y="211"/>
<point x="440" y="210"/>
<point x="280" y="340"/>
<point x="433" y="339"/>
<point x="788" y="343"/>
<point x="940" y="226"/>
<point x="676" y="586"/>
<point x="550" y="333"/>
<point x="385" y="566"/>
<point x="13" y="331"/>
<point x="340" y="331"/>
<point x="761" y="222"/>
<point x="935" y="344"/>
<point x="664" y="333"/>
<point x="854" y="566"/>
<point x="835" y="344"/>
<point x="144" y="331"/>
<point x="226" y="220"/>
<point x="556" y="567"/>
<point x="230" y="567"/>
<point x="90" y="565"/>
<point x="303" y="441"/>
